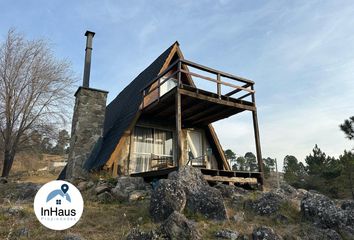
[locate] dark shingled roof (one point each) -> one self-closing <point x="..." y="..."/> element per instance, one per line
<point x="121" y="112"/>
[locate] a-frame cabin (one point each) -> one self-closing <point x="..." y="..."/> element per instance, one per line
<point x="162" y="121"/>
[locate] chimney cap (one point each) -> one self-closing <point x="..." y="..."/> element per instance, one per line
<point x="89" y="32"/>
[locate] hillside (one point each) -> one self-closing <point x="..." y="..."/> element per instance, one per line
<point x="181" y="207"/>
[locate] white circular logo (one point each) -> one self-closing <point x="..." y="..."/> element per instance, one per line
<point x="58" y="205"/>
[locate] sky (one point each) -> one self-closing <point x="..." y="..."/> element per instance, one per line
<point x="299" y="53"/>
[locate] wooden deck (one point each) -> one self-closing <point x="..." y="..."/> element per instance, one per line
<point x="189" y="106"/>
<point x="155" y="174"/>
<point x="198" y="107"/>
<point x="211" y="175"/>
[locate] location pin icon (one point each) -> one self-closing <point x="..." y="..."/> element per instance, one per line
<point x="64" y="188"/>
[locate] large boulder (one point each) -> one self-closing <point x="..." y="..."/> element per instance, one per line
<point x="268" y="204"/>
<point x="201" y="198"/>
<point x="207" y="201"/>
<point x="191" y="178"/>
<point x="168" y="197"/>
<point x="265" y="233"/>
<point x="322" y="211"/>
<point x="313" y="233"/>
<point x="177" y="226"/>
<point x="286" y="191"/>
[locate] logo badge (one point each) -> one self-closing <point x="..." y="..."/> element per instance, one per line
<point x="58" y="205"/>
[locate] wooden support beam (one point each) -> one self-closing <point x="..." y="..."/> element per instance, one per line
<point x="236" y="90"/>
<point x="244" y="96"/>
<point x="225" y="164"/>
<point x="258" y="144"/>
<point x="179" y="151"/>
<point x="230" y="179"/>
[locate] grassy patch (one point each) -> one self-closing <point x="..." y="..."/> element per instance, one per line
<point x="99" y="221"/>
<point x="290" y="211"/>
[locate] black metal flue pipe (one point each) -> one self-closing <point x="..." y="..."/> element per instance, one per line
<point x="88" y="51"/>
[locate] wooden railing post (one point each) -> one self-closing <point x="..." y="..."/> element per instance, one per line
<point x="218" y="85"/>
<point x="179" y="67"/>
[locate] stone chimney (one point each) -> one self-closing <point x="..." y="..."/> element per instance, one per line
<point x="88" y="119"/>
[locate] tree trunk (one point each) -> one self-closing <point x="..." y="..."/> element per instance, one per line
<point x="351" y="185"/>
<point x="8" y="161"/>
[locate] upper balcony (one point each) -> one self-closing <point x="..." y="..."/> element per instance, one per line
<point x="207" y="95"/>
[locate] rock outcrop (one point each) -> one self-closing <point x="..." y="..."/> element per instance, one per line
<point x="208" y="202"/>
<point x="177" y="226"/>
<point x="269" y="203"/>
<point x="319" y="234"/>
<point x="168" y="197"/>
<point x="201" y="198"/>
<point x="125" y="189"/>
<point x="322" y="211"/>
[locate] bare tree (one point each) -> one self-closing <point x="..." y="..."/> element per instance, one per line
<point x="34" y="92"/>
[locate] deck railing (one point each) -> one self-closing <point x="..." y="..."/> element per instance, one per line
<point x="241" y="85"/>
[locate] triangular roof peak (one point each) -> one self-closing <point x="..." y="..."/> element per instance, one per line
<point x="175" y="49"/>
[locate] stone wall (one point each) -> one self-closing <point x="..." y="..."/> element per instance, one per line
<point x="87" y="127"/>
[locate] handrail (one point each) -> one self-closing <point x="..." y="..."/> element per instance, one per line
<point x="248" y="83"/>
<point x="216" y="81"/>
<point x="211" y="70"/>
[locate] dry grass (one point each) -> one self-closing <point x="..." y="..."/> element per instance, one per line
<point x="99" y="221"/>
<point x="112" y="221"/>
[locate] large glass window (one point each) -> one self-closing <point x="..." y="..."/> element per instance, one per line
<point x="152" y="149"/>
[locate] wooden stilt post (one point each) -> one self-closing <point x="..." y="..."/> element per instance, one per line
<point x="179" y="152"/>
<point x="257" y="141"/>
